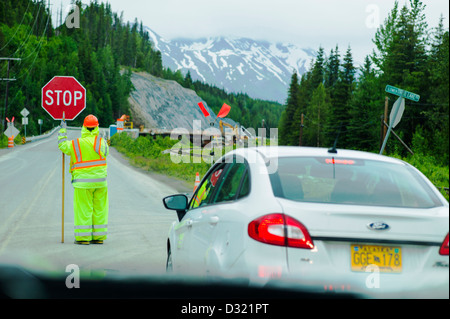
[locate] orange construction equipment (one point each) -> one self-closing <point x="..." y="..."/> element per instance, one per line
<point x="11" y="142"/>
<point x="197" y="181"/>
<point x="120" y="123"/>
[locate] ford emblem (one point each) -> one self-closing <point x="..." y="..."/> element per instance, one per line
<point x="378" y="226"/>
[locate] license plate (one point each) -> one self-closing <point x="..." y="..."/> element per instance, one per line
<point x="384" y="258"/>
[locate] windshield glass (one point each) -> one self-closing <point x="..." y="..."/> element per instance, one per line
<point x="351" y="181"/>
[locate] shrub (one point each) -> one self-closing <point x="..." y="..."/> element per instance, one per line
<point x="147" y="153"/>
<point x="430" y="167"/>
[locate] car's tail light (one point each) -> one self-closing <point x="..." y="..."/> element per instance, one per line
<point x="444" y="247"/>
<point x="280" y="230"/>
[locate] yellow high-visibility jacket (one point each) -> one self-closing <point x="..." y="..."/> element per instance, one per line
<point x="87" y="158"/>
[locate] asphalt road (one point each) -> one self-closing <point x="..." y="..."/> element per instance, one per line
<point x="31" y="215"/>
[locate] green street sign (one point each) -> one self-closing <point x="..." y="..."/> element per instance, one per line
<point x="402" y="93"/>
<point x="412" y="96"/>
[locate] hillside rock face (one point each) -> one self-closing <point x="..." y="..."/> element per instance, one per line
<point x="164" y="104"/>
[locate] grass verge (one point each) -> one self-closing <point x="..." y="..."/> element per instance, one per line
<point x="147" y="153"/>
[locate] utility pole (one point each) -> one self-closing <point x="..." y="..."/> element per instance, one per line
<point x="318" y="126"/>
<point x="381" y="131"/>
<point x="301" y="131"/>
<point x="7" y="79"/>
<point x="386" y="106"/>
<point x="264" y="132"/>
<point x="384" y="119"/>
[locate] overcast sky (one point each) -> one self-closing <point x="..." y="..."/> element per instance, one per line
<point x="303" y="22"/>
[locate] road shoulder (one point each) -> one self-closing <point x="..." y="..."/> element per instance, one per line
<point x="180" y="185"/>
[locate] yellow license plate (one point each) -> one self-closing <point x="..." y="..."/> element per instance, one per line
<point x="382" y="258"/>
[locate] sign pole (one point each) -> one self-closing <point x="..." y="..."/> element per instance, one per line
<point x="390" y="127"/>
<point x="63" y="164"/>
<point x="403" y="94"/>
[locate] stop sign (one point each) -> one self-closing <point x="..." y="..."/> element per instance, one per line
<point x="63" y="94"/>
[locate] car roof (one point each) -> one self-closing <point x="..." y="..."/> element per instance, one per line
<point x="295" y="151"/>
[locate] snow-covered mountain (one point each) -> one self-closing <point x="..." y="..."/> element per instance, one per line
<point x="261" y="69"/>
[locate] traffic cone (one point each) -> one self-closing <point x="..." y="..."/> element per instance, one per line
<point x="11" y="142"/>
<point x="197" y="181"/>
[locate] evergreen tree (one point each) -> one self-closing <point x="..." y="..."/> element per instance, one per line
<point x="406" y="56"/>
<point x="436" y="114"/>
<point x="332" y="69"/>
<point x="341" y="98"/>
<point x="304" y="98"/>
<point x="317" y="113"/>
<point x="188" y="80"/>
<point x="317" y="72"/>
<point x="402" y="59"/>
<point x="366" y="108"/>
<point x="288" y="129"/>
<point x="384" y="38"/>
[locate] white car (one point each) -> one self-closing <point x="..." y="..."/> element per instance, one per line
<point x="334" y="220"/>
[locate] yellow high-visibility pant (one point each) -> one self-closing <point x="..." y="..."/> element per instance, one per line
<point x="90" y="207"/>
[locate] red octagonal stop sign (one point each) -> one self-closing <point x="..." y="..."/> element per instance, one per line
<point x="63" y="94"/>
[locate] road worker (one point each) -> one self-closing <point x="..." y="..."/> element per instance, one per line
<point x="88" y="168"/>
<point x="202" y="195"/>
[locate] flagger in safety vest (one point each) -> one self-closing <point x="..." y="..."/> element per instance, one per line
<point x="88" y="168"/>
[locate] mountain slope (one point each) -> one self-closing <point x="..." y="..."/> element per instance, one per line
<point x="165" y="104"/>
<point x="239" y="65"/>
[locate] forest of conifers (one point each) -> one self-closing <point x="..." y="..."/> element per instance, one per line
<point x="335" y="97"/>
<point x="100" y="54"/>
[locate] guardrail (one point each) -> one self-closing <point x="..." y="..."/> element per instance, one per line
<point x="30" y="139"/>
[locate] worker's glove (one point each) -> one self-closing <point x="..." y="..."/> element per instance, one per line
<point x="63" y="129"/>
<point x="62" y="135"/>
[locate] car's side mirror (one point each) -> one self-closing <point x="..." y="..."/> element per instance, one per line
<point x="177" y="202"/>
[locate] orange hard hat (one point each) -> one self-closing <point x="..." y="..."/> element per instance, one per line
<point x="90" y="121"/>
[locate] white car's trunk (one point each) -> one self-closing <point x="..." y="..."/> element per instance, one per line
<point x="343" y="222"/>
<point x="347" y="250"/>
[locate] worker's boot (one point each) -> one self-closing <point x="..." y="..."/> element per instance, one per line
<point x="81" y="242"/>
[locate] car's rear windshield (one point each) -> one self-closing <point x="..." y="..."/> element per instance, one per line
<point x="351" y="181"/>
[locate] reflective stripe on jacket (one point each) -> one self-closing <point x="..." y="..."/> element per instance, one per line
<point x="80" y="163"/>
<point x="87" y="159"/>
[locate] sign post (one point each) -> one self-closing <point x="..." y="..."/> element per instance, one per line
<point x="397" y="108"/>
<point x="64" y="98"/>
<point x="40" y="121"/>
<point x="25" y="113"/>
<point x="224" y="110"/>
